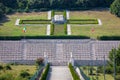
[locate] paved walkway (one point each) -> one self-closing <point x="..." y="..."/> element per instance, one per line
<point x="59" y="73"/>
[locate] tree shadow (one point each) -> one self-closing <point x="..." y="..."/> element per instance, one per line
<point x="3" y="20"/>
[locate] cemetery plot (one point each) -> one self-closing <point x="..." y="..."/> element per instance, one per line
<point x="59" y="30"/>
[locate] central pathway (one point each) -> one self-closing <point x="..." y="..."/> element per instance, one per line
<point x="59" y="73"/>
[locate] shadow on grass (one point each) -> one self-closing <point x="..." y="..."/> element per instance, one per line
<point x="3" y="20"/>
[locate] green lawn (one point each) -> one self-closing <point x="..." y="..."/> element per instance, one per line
<point x="59" y="30"/>
<point x="16" y="70"/>
<point x="100" y="75"/>
<point x="110" y="27"/>
<point x="8" y="28"/>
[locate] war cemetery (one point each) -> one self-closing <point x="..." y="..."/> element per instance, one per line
<point x="59" y="42"/>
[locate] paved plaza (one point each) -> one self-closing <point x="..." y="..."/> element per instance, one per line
<point x="59" y="73"/>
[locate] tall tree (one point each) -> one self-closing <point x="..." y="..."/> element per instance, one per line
<point x="115" y="8"/>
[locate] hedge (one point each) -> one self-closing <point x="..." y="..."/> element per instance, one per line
<point x="74" y="74"/>
<point x="41" y="21"/>
<point x="83" y="21"/>
<point x="52" y="13"/>
<point x="52" y="29"/>
<point x="42" y="37"/>
<point x="108" y="38"/>
<point x="64" y="14"/>
<point x="65" y="28"/>
<point x="44" y="75"/>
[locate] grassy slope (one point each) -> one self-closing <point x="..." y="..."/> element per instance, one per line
<point x="7" y="27"/>
<point x="100" y="77"/>
<point x="110" y="27"/>
<point x="18" y="68"/>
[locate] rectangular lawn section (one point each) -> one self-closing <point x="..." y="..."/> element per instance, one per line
<point x="110" y="23"/>
<point x="59" y="30"/>
<point x="8" y="28"/>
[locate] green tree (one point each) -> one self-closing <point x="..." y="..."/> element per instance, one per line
<point x="115" y="8"/>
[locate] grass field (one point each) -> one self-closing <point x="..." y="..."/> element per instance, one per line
<point x="59" y="30"/>
<point x="110" y="27"/>
<point x="100" y="75"/>
<point x="7" y="27"/>
<point x="16" y="70"/>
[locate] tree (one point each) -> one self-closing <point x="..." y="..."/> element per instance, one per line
<point x="115" y="8"/>
<point x="115" y="52"/>
<point x="39" y="61"/>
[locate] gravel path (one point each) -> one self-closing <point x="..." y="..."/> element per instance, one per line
<point x="49" y="15"/>
<point x="48" y="30"/>
<point x="68" y="29"/>
<point x="68" y="16"/>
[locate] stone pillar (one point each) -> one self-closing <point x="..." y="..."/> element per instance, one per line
<point x="45" y="59"/>
<point x="71" y="59"/>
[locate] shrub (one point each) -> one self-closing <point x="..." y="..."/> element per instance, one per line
<point x="84" y="68"/>
<point x="117" y="77"/>
<point x="26" y="10"/>
<point x="1" y="67"/>
<point x="109" y="70"/>
<point x="44" y="75"/>
<point x="74" y="74"/>
<point x="91" y="71"/>
<point x="39" y="61"/>
<point x="100" y="69"/>
<point x="8" y="10"/>
<point x="24" y="74"/>
<point x="8" y="67"/>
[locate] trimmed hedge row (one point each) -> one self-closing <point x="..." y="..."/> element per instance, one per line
<point x="57" y="37"/>
<point x="44" y="75"/>
<point x="34" y="21"/>
<point x="52" y="13"/>
<point x="74" y="74"/>
<point x="65" y="28"/>
<point x="42" y="37"/>
<point x="82" y="22"/>
<point x="64" y="14"/>
<point x="108" y="38"/>
<point x="52" y="29"/>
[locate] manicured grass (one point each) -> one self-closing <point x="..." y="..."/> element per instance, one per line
<point x="16" y="70"/>
<point x="59" y="30"/>
<point x="100" y="75"/>
<point x="58" y="13"/>
<point x="110" y="27"/>
<point x="8" y="28"/>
